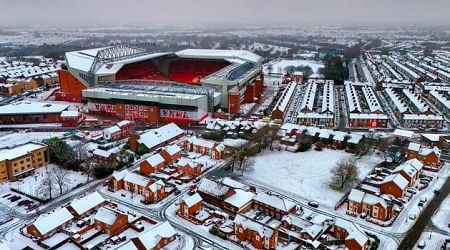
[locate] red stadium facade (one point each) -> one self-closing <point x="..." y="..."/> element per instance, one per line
<point x="234" y="76"/>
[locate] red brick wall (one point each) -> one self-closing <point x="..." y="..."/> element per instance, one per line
<point x="391" y="188"/>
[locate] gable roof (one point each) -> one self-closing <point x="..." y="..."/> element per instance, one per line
<point x="247" y="223"/>
<point x="356" y="195"/>
<point x="155" y="160"/>
<point x="398" y="180"/>
<point x="162" y="134"/>
<point x="275" y="201"/>
<point x="191" y="200"/>
<point x="354" y="232"/>
<point x="86" y="203"/>
<point x="240" y="198"/>
<point x="106" y="215"/>
<point x="212" y="188"/>
<point x="152" y="236"/>
<point x="173" y="149"/>
<point x="49" y="222"/>
<point x="137" y="179"/>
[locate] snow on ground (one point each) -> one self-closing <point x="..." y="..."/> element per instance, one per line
<point x="306" y="174"/>
<point x="32" y="185"/>
<point x="432" y="240"/>
<point x="441" y="218"/>
<point x="280" y="66"/>
<point x="24" y="137"/>
<point x="246" y="107"/>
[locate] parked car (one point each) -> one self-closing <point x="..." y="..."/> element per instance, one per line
<point x="177" y="192"/>
<point x="412" y="216"/>
<point x="421" y="244"/>
<point x="437" y="191"/>
<point x="208" y="222"/>
<point x="178" y="182"/>
<point x="196" y="180"/>
<point x="311" y="216"/>
<point x="313" y="204"/>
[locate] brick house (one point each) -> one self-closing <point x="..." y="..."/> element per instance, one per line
<point x="259" y="235"/>
<point x="157" y="237"/>
<point x="273" y="205"/>
<point x="152" y="190"/>
<point x="110" y="220"/>
<point x="190" y="204"/>
<point x="213" y="192"/>
<point x="355" y="238"/>
<point x="171" y="153"/>
<point x="189" y="167"/>
<point x="49" y="224"/>
<point x="85" y="205"/>
<point x="213" y="149"/>
<point x="411" y="170"/>
<point x="155" y="138"/>
<point x="71" y="118"/>
<point x="395" y="185"/>
<point x="355" y="201"/>
<point x="376" y="207"/>
<point x="103" y="157"/>
<point x="152" y="164"/>
<point x="428" y="156"/>
<point x="292" y="225"/>
<point x="239" y="202"/>
<point x="311" y="232"/>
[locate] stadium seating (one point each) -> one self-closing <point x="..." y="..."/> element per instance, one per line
<point x="146" y="70"/>
<point x="192" y="71"/>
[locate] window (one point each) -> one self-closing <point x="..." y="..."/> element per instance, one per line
<point x="257" y="237"/>
<point x="21" y="162"/>
<point x="240" y="230"/>
<point x="28" y="159"/>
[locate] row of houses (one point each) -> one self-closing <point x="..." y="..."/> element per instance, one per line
<point x="244" y="203"/>
<point x="99" y="216"/>
<point x="318" y="105"/>
<point x="290" y="133"/>
<point x="381" y="195"/>
<point x="363" y="108"/>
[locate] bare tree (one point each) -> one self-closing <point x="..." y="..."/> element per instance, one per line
<point x="60" y="178"/>
<point x="47" y="184"/>
<point x="345" y="175"/>
<point x="85" y="159"/>
<point x="247" y="165"/>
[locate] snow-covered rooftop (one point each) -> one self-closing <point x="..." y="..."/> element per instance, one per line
<point x="191" y="200"/>
<point x="82" y="205"/>
<point x="49" y="222"/>
<point x="240" y="198"/>
<point x="166" y="133"/>
<point x="274" y="201"/>
<point x="19" y="151"/>
<point x="26" y="107"/>
<point x="155" y="160"/>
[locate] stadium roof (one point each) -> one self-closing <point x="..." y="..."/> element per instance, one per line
<point x="82" y="60"/>
<point x="220" y="54"/>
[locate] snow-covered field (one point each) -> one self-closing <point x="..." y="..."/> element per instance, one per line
<point x="280" y="66"/>
<point x="32" y="185"/>
<point x="432" y="240"/>
<point x="441" y="218"/>
<point x="306" y="174"/>
<point x="24" y="137"/>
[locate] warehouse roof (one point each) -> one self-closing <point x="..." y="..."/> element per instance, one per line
<point x="24" y="108"/>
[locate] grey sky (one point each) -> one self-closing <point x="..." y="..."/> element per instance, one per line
<point x="221" y="12"/>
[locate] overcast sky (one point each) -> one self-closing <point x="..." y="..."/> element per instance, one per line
<point x="69" y="13"/>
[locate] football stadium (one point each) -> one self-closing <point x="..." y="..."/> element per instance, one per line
<point x="138" y="83"/>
